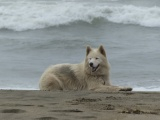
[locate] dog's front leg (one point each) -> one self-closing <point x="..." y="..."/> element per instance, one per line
<point x="104" y="88"/>
<point x="123" y="88"/>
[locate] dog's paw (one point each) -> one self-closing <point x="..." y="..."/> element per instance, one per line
<point x="125" y="89"/>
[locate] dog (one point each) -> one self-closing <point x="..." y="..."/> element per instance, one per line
<point x="91" y="74"/>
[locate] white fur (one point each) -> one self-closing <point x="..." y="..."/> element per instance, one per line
<point x="81" y="76"/>
<point x="95" y="61"/>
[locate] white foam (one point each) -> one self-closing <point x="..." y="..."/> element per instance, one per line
<point x="21" y="16"/>
<point x="12" y="88"/>
<point x="152" y="89"/>
<point x="144" y="16"/>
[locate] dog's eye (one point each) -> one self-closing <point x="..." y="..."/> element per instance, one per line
<point x="97" y="58"/>
<point x="90" y="58"/>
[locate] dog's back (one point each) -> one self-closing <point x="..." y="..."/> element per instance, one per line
<point x="66" y="76"/>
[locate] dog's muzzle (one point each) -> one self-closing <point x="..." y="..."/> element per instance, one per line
<point x="93" y="68"/>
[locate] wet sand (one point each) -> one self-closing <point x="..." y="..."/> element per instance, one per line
<point x="78" y="105"/>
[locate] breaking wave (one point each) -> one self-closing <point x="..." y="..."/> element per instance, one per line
<point x="22" y="16"/>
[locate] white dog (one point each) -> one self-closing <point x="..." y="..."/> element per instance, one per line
<point x="91" y="74"/>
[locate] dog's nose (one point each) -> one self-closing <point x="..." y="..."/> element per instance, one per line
<point x="91" y="64"/>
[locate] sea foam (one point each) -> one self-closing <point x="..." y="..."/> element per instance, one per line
<point x="151" y="89"/>
<point x="20" y="16"/>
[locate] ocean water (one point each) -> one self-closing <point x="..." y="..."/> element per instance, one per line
<point x="37" y="33"/>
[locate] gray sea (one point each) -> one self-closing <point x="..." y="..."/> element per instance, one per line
<point x="37" y="33"/>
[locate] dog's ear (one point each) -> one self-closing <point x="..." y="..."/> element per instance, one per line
<point x="88" y="49"/>
<point x="102" y="50"/>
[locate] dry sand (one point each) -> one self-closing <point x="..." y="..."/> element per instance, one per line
<point x="78" y="105"/>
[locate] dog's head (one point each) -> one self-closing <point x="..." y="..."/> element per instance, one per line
<point x="96" y="61"/>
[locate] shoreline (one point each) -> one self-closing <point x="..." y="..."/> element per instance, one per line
<point x="71" y="105"/>
<point x="136" y="89"/>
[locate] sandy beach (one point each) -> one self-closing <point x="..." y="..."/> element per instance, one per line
<point x="79" y="105"/>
